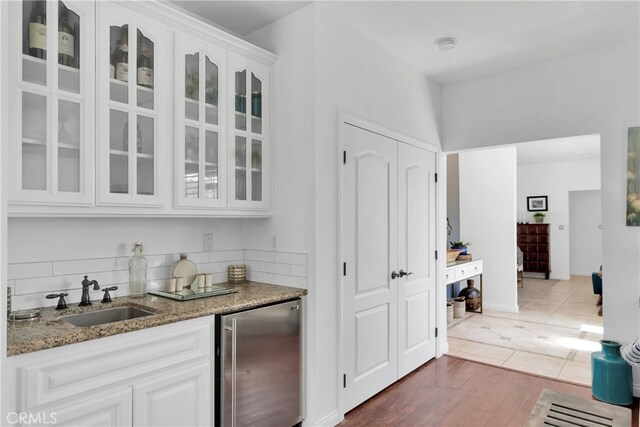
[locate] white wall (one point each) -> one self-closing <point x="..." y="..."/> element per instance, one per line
<point x="588" y="93"/>
<point x="585" y="217"/>
<point x="556" y="180"/>
<point x="3" y="192"/>
<point x="453" y="197"/>
<point x="35" y="239"/>
<point x="351" y="74"/>
<point x="488" y="221"/>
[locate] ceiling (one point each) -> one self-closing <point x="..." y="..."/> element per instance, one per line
<point x="559" y="150"/>
<point x="493" y="36"/>
<point x="240" y="17"/>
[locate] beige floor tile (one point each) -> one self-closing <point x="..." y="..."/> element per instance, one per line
<point x="456" y="344"/>
<point x="552" y="373"/>
<point x="489" y="351"/>
<point x="583" y="356"/>
<point x="568" y="321"/>
<point x="537" y="361"/>
<point x="479" y="358"/>
<point x="577" y="372"/>
<point x="544" y="347"/>
<point x="556" y="322"/>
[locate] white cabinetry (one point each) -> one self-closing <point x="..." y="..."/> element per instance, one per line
<point x="51" y="102"/>
<point x="167" y="371"/>
<point x="201" y="180"/>
<point x="181" y="397"/>
<point x="142" y="110"/>
<point x="134" y="80"/>
<point x="249" y="142"/>
<point x="110" y="409"/>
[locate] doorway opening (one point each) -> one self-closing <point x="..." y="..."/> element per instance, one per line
<point x="540" y="311"/>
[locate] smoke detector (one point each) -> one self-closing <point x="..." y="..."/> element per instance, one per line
<point x="446" y="43"/>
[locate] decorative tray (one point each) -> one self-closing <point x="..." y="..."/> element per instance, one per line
<point x="188" y="294"/>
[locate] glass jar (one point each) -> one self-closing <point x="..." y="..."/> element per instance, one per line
<point x="137" y="272"/>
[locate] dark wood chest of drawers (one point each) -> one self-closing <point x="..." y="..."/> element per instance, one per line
<point x="533" y="240"/>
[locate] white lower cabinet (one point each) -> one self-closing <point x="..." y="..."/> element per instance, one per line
<point x="112" y="409"/>
<point x="177" y="398"/>
<point x="162" y="376"/>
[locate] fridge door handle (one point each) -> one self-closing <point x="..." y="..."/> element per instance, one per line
<point x="233" y="371"/>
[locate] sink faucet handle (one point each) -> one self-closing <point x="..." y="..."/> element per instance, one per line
<point x="107" y="296"/>
<point x="62" y="304"/>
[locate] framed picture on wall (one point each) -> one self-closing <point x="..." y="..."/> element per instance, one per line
<point x="537" y="204"/>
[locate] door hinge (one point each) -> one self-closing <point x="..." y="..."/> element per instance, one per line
<point x="436" y="254"/>
<point x="436" y="176"/>
<point x="436" y="332"/>
<point x="344" y="268"/>
<point x="344" y="381"/>
<point x="344" y="157"/>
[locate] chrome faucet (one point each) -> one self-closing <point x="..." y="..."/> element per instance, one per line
<point x="85" y="300"/>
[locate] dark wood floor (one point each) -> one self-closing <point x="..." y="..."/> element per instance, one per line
<point x="456" y="392"/>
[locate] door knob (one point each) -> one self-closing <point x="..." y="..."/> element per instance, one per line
<point x="405" y="273"/>
<point x="394" y="274"/>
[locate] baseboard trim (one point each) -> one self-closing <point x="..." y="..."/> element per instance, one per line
<point x="500" y="307"/>
<point x="329" y="420"/>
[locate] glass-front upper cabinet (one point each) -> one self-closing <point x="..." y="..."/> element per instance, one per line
<point x="249" y="137"/>
<point x="52" y="80"/>
<point x="201" y="126"/>
<point x="133" y="117"/>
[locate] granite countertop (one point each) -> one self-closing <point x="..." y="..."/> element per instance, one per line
<point x="49" y="331"/>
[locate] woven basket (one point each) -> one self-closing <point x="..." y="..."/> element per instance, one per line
<point x="237" y="273"/>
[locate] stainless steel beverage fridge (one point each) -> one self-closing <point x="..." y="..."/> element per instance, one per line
<point x="259" y="367"/>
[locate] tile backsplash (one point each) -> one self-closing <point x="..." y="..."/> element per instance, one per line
<point x="31" y="281"/>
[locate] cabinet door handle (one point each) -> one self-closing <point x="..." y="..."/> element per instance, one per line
<point x="394" y="275"/>
<point x="405" y="273"/>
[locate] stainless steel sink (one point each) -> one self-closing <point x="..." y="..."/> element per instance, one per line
<point x="108" y="315"/>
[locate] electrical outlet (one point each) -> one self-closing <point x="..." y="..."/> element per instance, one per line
<point x="274" y="242"/>
<point x="207" y="242"/>
<point x="561" y="227"/>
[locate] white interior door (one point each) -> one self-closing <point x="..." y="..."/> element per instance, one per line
<point x="416" y="256"/>
<point x="370" y="252"/>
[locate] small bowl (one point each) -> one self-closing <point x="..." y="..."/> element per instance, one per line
<point x="452" y="254"/>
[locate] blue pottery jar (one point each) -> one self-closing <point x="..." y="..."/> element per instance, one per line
<point x="611" y="375"/>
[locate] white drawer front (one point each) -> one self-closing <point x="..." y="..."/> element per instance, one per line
<point x="52" y="380"/>
<point x="462" y="272"/>
<point x="449" y="274"/>
<point x="475" y="268"/>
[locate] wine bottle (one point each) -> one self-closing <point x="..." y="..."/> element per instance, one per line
<point x="125" y="137"/>
<point x="112" y="60"/>
<point x="139" y="139"/>
<point x="66" y="38"/>
<point x="122" y="56"/>
<point x="38" y="30"/>
<point x="145" y="67"/>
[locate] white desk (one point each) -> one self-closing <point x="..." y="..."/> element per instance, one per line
<point x="461" y="270"/>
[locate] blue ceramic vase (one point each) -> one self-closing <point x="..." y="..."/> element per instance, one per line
<point x="611" y="380"/>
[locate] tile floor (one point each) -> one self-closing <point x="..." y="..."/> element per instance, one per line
<point x="553" y="335"/>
